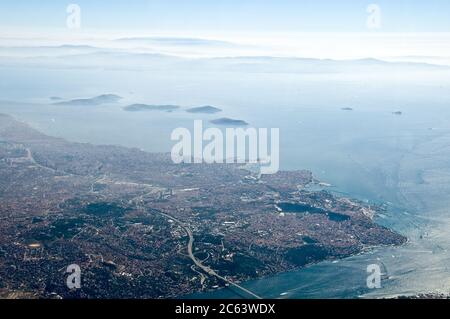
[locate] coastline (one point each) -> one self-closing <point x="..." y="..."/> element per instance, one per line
<point x="364" y="251"/>
<point x="286" y="181"/>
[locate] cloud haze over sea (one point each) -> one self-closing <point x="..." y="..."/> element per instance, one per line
<point x="411" y="47"/>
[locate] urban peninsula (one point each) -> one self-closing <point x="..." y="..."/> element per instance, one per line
<point x="140" y="226"/>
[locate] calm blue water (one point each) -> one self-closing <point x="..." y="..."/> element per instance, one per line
<point x="369" y="153"/>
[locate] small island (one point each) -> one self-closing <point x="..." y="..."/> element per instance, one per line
<point x="98" y="100"/>
<point x="347" y="109"/>
<point x="146" y="107"/>
<point x="204" y="110"/>
<point x="228" y="121"/>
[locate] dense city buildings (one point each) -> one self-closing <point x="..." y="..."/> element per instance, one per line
<point x="140" y="226"/>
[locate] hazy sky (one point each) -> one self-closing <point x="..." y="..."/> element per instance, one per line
<point x="229" y="15"/>
<point x="304" y="28"/>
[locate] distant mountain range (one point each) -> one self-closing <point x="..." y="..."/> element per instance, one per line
<point x="175" y="41"/>
<point x="86" y="56"/>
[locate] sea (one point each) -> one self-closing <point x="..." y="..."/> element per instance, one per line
<point x="379" y="138"/>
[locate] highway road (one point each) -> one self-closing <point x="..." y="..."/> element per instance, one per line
<point x="199" y="264"/>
